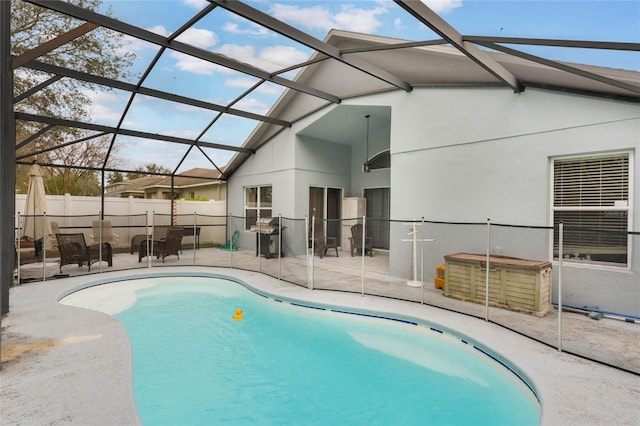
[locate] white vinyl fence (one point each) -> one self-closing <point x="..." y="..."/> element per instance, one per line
<point x="66" y="208"/>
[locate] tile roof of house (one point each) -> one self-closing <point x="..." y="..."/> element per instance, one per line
<point x="133" y="185"/>
<point x="193" y="177"/>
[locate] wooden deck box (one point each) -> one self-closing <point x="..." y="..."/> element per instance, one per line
<point x="516" y="284"/>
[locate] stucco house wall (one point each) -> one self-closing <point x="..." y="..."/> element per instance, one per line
<point x="478" y="153"/>
<point x="465" y="154"/>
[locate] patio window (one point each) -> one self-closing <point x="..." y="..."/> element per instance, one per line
<point x="591" y="198"/>
<point x="257" y="200"/>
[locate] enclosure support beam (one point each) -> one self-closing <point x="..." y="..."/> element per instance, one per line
<point x="438" y="25"/>
<point x="7" y="158"/>
<point x="134" y="133"/>
<point x="151" y="37"/>
<point x="132" y="88"/>
<point x="47" y="47"/>
<point x="563" y="67"/>
<point x="292" y="33"/>
<point x="36" y="89"/>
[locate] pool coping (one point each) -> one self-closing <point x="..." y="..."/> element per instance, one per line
<point x="571" y="390"/>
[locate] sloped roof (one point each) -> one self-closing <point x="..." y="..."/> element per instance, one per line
<point x="194" y="177"/>
<point x="134" y="185"/>
<point x="430" y="65"/>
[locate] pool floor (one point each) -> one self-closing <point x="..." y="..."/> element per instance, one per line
<point x="284" y="363"/>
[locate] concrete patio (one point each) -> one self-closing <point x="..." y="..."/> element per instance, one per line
<point x="64" y="364"/>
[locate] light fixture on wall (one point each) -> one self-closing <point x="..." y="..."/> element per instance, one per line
<point x="366" y="166"/>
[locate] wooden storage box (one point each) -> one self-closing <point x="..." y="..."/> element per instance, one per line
<point x="516" y="284"/>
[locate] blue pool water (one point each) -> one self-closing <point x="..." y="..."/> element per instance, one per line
<point x="284" y="364"/>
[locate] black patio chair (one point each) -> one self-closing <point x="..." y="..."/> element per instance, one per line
<point x="170" y="244"/>
<point x="74" y="249"/>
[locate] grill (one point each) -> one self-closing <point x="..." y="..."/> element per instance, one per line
<point x="267" y="230"/>
<point x="266" y="225"/>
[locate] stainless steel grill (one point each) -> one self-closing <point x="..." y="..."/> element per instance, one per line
<point x="266" y="225"/>
<point x="267" y="229"/>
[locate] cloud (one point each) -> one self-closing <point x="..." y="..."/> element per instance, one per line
<point x="246" y="83"/>
<point x="159" y="29"/>
<point x="185" y="133"/>
<point x="359" y="20"/>
<point x="242" y="82"/>
<point x="315" y="18"/>
<point x="442" y="6"/>
<point x="132" y="44"/>
<point x="133" y="124"/>
<point x="243" y="53"/>
<point x="283" y="56"/>
<point x="253" y="30"/>
<point x="252" y="105"/>
<point x="101" y="113"/>
<point x="104" y="96"/>
<point x="349" y="17"/>
<point x="196" y="4"/>
<point x="201" y="38"/>
<point x="320" y="18"/>
<point x="270" y="58"/>
<point x="105" y="107"/>
<point x="195" y="65"/>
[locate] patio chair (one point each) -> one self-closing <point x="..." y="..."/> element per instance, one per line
<point x="136" y="240"/>
<point x="167" y="246"/>
<point x="160" y="232"/>
<point x="231" y="244"/>
<point x="52" y="241"/>
<point x="322" y="242"/>
<point x="106" y="235"/>
<point x="73" y="249"/>
<point x="356" y="240"/>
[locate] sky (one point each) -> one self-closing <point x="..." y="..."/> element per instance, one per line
<point x="223" y="32"/>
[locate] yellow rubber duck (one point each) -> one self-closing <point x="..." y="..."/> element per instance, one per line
<point x="238" y="314"/>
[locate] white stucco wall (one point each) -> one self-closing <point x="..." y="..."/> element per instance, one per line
<point x="485" y="153"/>
<point x="466" y="155"/>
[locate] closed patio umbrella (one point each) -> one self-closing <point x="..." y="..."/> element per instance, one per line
<point x="35" y="207"/>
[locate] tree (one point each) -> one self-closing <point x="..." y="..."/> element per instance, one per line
<point x="148" y="169"/>
<point x="77" y="175"/>
<point x="99" y="52"/>
<point x="115" y="177"/>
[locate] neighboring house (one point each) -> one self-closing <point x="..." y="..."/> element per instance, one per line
<point x="460" y="148"/>
<point x="198" y="183"/>
<point x="131" y="188"/>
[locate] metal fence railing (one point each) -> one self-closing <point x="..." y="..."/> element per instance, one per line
<point x="398" y="259"/>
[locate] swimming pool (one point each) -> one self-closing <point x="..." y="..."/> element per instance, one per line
<point x="285" y="362"/>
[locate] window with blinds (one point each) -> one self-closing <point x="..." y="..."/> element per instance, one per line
<point x="591" y="199"/>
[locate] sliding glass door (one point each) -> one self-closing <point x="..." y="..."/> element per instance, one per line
<point x="326" y="203"/>
<point x="378" y="215"/>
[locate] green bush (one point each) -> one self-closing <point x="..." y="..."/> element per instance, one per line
<point x="196" y="199"/>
